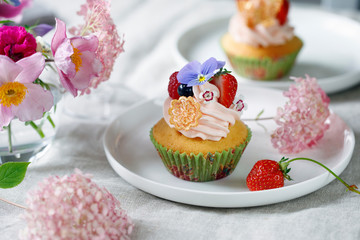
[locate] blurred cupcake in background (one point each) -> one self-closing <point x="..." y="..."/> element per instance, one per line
<point x="260" y="44"/>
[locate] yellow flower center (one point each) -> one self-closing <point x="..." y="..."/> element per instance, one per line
<point x="12" y="93"/>
<point x="76" y="59"/>
<point x="201" y="78"/>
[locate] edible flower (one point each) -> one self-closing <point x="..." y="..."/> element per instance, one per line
<point x="239" y="104"/>
<point x="195" y="73"/>
<point x="208" y="96"/>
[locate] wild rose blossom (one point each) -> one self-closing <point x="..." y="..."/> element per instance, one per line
<point x="16" y="42"/>
<point x="19" y="96"/>
<point x="13" y="11"/>
<point x="302" y="121"/>
<point x="75" y="59"/>
<point x="74" y="207"/>
<point x="98" y="21"/>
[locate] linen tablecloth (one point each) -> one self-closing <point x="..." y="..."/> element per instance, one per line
<point x="144" y="68"/>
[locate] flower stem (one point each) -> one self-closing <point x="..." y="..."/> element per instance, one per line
<point x="349" y="187"/>
<point x="37" y="129"/>
<point x="12" y="203"/>
<point x="9" y="137"/>
<point x="50" y="121"/>
<point x="257" y="119"/>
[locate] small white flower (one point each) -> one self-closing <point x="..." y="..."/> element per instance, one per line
<point x="43" y="47"/>
<point x="208" y="96"/>
<point x="239" y="104"/>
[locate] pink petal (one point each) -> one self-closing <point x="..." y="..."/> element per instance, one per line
<point x="89" y="69"/>
<point x="62" y="58"/>
<point x="9" y="70"/>
<point x="32" y="68"/>
<point x="86" y="43"/>
<point x="66" y="83"/>
<point x="36" y="102"/>
<point x="59" y="35"/>
<point x="5" y="116"/>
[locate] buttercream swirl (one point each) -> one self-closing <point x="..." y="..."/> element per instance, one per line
<point x="260" y="35"/>
<point x="215" y="120"/>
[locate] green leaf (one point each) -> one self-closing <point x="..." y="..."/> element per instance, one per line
<point x="6" y="21"/>
<point x="12" y="174"/>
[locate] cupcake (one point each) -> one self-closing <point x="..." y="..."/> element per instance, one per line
<point x="201" y="137"/>
<point x="260" y="44"/>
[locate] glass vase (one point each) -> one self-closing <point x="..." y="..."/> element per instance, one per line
<point x="27" y="144"/>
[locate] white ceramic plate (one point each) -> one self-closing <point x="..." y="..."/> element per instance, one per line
<point x="331" y="49"/>
<point x="132" y="155"/>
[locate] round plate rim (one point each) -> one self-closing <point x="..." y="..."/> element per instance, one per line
<point x="161" y="190"/>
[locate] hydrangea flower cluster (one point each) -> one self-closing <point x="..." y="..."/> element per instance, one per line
<point x="74" y="207"/>
<point x="302" y="121"/>
<point x="98" y="21"/>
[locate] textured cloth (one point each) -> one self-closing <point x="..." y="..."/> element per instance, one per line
<point x="149" y="27"/>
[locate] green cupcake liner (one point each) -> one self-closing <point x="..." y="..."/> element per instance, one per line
<point x="263" y="69"/>
<point x="200" y="167"/>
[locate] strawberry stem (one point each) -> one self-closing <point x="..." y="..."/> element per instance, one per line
<point x="284" y="162"/>
<point x="222" y="71"/>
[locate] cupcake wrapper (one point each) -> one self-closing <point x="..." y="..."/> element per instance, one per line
<point x="200" y="167"/>
<point x="263" y="69"/>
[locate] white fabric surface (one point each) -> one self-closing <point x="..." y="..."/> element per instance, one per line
<point x="149" y="25"/>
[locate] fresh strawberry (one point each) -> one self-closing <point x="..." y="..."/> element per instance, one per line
<point x="266" y="174"/>
<point x="283" y="12"/>
<point x="173" y="86"/>
<point x="227" y="85"/>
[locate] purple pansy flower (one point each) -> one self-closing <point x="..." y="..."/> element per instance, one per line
<point x="195" y="73"/>
<point x="42" y="29"/>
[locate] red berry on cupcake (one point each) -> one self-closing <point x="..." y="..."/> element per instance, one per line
<point x="283" y="12"/>
<point x="173" y="86"/>
<point x="227" y="85"/>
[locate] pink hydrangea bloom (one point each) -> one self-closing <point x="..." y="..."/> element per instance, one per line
<point x="302" y="121"/>
<point x="16" y="42"/>
<point x="19" y="96"/>
<point x="75" y="59"/>
<point x="74" y="207"/>
<point x="14" y="13"/>
<point x="98" y="21"/>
